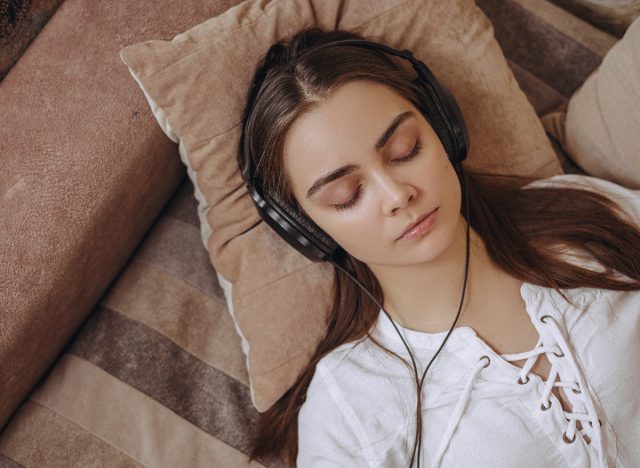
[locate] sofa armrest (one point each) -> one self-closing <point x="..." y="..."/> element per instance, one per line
<point x="85" y="171"/>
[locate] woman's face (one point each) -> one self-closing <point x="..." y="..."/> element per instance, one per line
<point x="366" y="206"/>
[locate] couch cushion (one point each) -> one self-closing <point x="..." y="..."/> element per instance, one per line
<point x="550" y="51"/>
<point x="155" y="377"/>
<point x="598" y="126"/>
<point x="85" y="171"/>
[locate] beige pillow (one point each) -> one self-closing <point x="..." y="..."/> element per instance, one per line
<point x="599" y="127"/>
<point x="196" y="85"/>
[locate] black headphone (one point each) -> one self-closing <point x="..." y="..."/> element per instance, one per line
<point x="299" y="231"/>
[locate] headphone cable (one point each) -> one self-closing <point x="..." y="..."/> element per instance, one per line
<point x="466" y="195"/>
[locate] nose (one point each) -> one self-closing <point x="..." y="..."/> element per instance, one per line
<point x="396" y="194"/>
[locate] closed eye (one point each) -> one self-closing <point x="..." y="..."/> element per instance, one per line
<point x="412" y="154"/>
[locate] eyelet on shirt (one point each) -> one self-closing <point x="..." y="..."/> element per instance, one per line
<point x="599" y="422"/>
<point x="542" y="407"/>
<point x="577" y="389"/>
<point x="488" y="360"/>
<point x="542" y="319"/>
<point x="568" y="441"/>
<point x="520" y="380"/>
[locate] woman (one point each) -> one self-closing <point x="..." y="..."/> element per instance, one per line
<point x="530" y="375"/>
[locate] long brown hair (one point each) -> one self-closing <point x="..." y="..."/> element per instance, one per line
<point x="521" y="229"/>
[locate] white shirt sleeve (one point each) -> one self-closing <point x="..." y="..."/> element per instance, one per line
<point x="326" y="437"/>
<point x="628" y="199"/>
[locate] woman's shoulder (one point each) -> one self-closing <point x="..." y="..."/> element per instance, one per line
<point x="326" y="432"/>
<point x="627" y="200"/>
<point x="343" y="356"/>
<point x="336" y="376"/>
<point x="348" y="366"/>
<point x="356" y="408"/>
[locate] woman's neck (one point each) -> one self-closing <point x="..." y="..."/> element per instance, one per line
<point x="426" y="297"/>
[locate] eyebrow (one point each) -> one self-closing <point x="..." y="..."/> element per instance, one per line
<point x="348" y="168"/>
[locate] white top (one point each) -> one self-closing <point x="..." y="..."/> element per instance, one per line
<point x="360" y="405"/>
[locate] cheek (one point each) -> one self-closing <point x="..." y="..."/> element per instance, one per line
<point x="443" y="175"/>
<point x="347" y="232"/>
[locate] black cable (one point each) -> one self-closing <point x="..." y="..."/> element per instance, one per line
<point x="418" y="439"/>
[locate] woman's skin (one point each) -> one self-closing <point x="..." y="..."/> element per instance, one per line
<point x="421" y="279"/>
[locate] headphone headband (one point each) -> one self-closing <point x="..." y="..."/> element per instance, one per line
<point x="297" y="230"/>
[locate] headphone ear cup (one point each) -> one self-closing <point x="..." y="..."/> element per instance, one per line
<point x="440" y="106"/>
<point x="430" y="108"/>
<point x="299" y="231"/>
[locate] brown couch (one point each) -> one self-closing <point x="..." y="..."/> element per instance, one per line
<point x="116" y="345"/>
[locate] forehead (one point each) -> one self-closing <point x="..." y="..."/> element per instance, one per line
<point x="340" y="129"/>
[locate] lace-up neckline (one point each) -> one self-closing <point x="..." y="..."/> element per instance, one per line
<point x="545" y="402"/>
<point x="464" y="342"/>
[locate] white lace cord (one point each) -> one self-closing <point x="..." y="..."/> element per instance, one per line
<point x="460" y="407"/>
<point x="592" y="432"/>
<point x="591" y="417"/>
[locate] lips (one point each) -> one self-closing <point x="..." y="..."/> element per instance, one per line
<point x="415" y="223"/>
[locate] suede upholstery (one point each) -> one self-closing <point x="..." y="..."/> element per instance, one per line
<point x="85" y="172"/>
